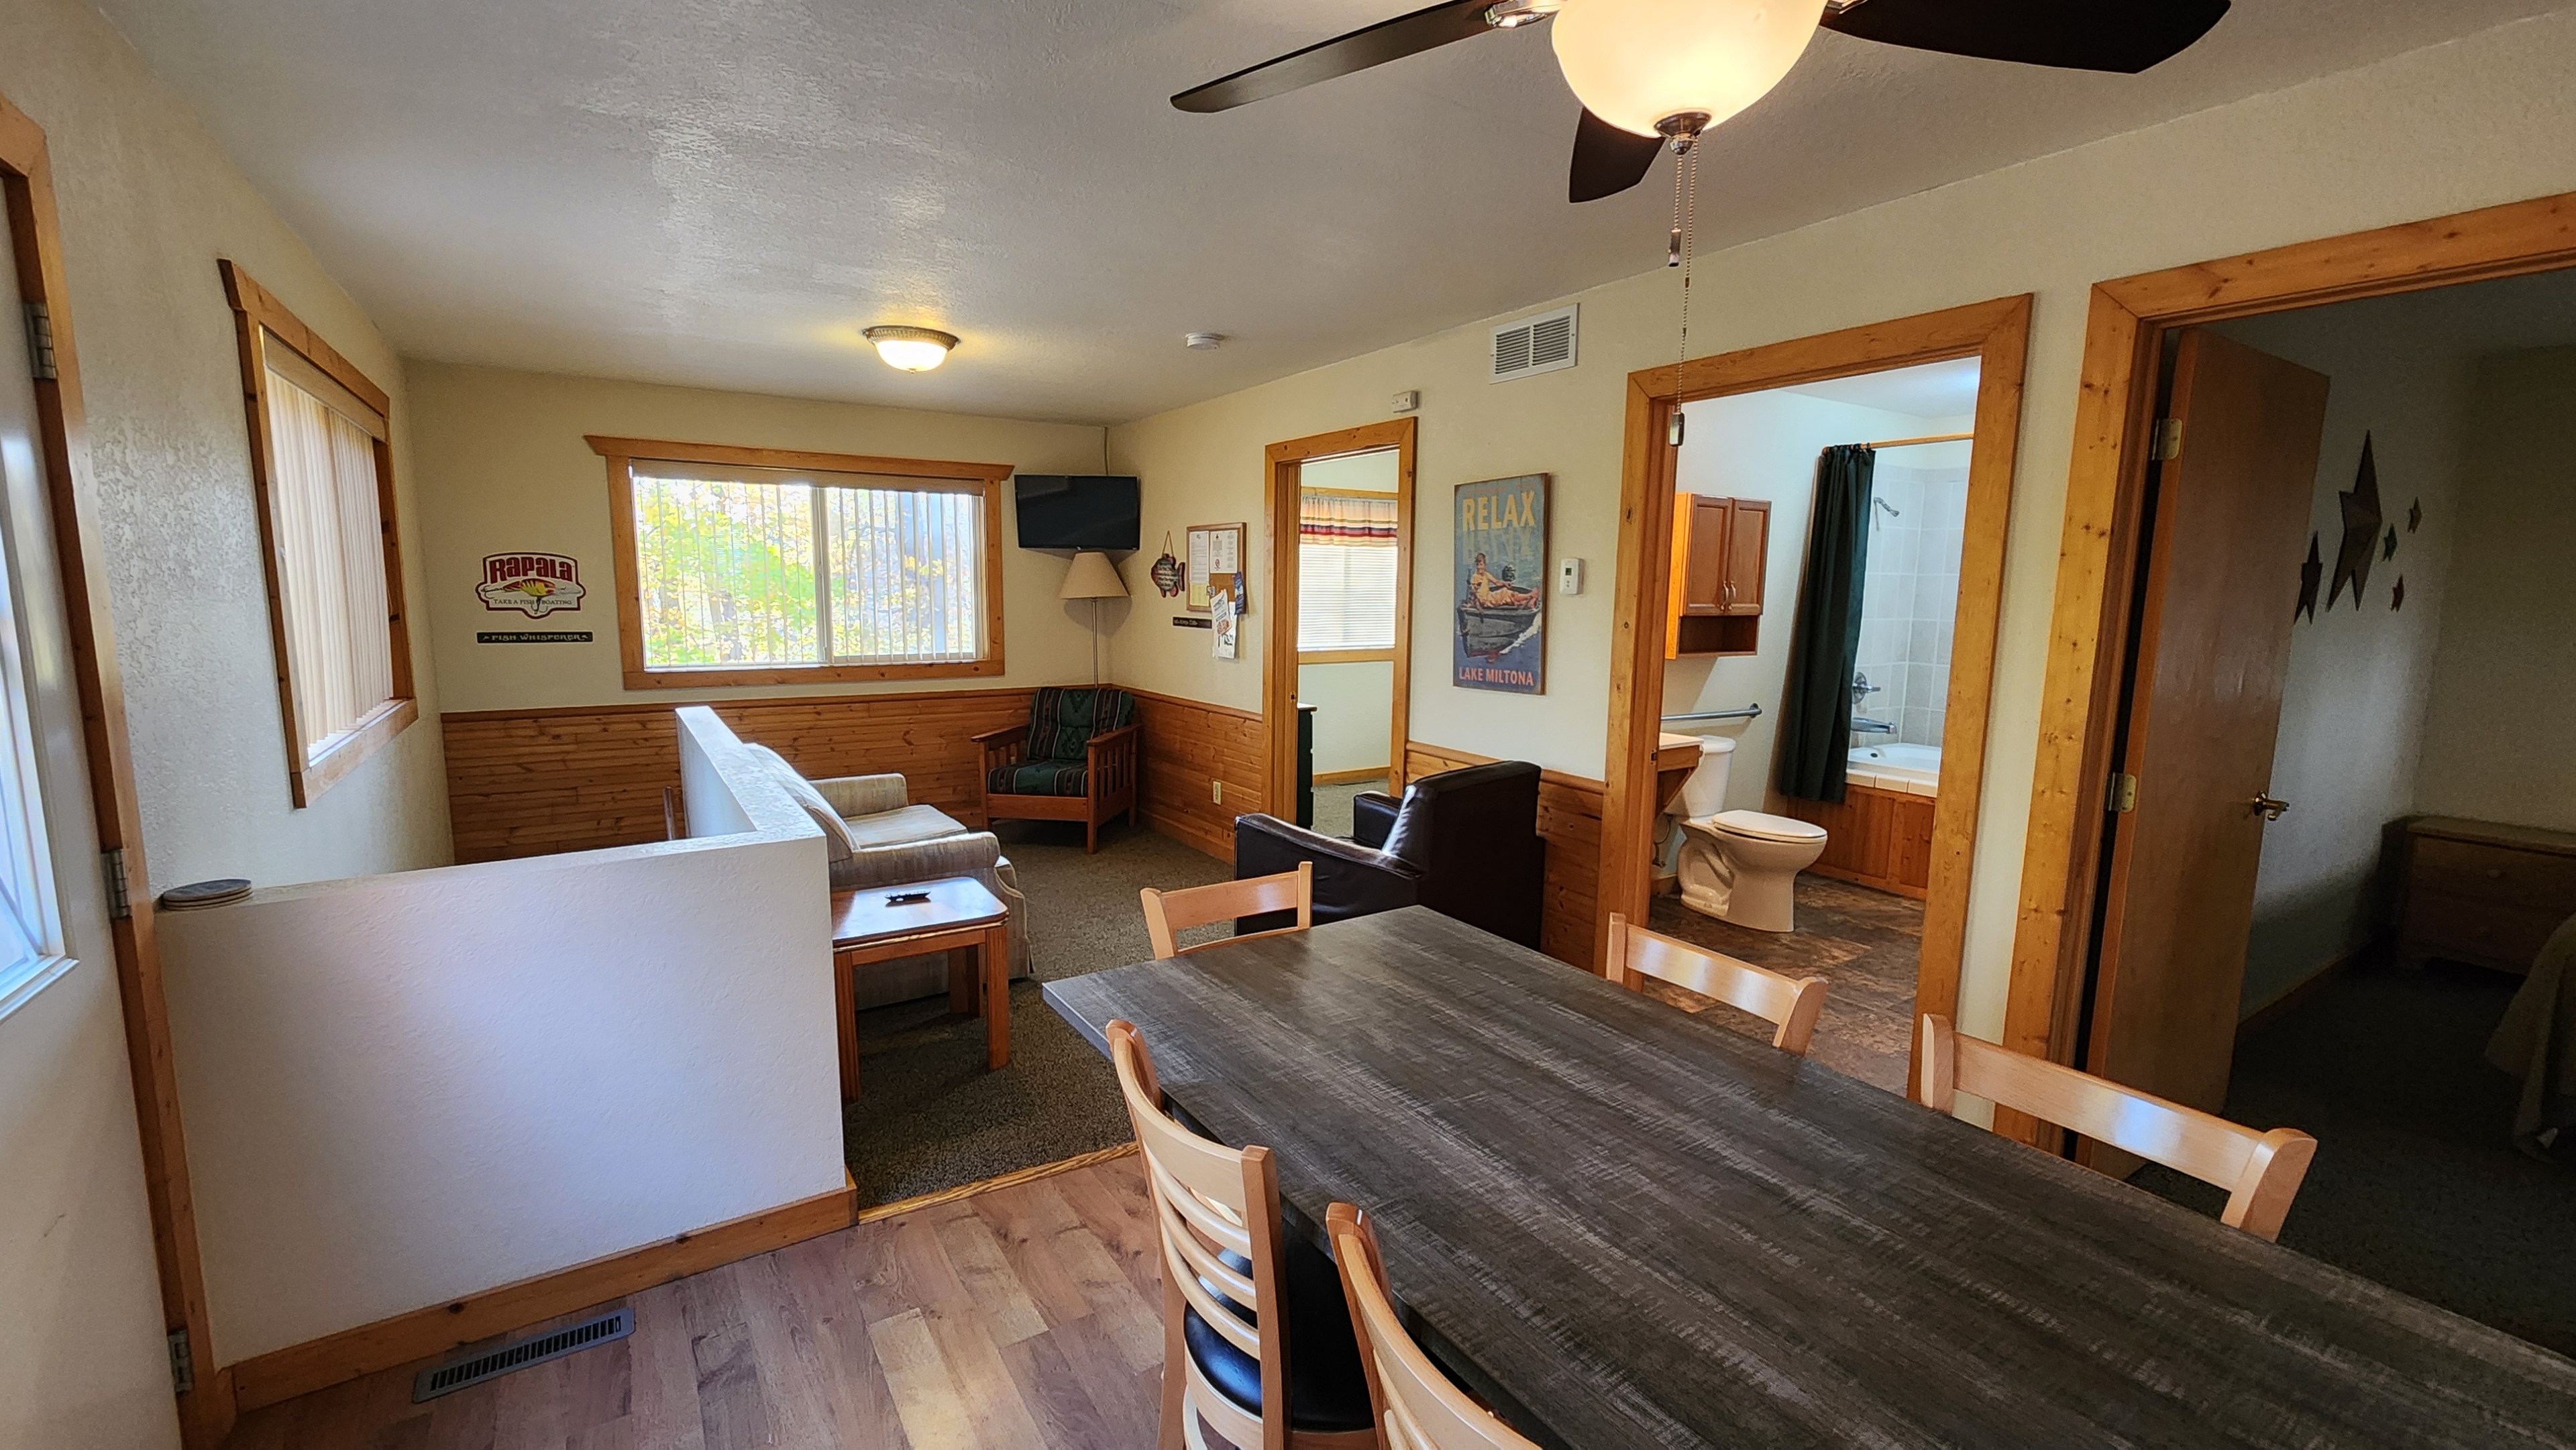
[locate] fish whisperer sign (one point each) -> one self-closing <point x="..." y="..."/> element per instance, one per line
<point x="532" y="584"/>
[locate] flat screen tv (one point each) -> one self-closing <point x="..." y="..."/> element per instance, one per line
<point x="1076" y="510"/>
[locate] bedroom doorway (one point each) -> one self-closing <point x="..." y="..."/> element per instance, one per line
<point x="1337" y="651"/>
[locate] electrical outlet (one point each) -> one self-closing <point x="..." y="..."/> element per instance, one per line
<point x="1216" y="791"/>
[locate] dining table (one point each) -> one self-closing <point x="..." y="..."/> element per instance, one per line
<point x="1625" y="1225"/>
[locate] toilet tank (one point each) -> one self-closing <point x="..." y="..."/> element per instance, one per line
<point x="1704" y="794"/>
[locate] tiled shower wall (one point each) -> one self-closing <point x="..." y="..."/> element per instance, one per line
<point x="1909" y="598"/>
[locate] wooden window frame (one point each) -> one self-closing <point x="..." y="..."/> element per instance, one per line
<point x="621" y="455"/>
<point x="261" y="321"/>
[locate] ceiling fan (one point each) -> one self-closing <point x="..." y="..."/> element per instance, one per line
<point x="1658" y="72"/>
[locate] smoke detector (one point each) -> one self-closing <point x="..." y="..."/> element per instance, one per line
<point x="1202" y="341"/>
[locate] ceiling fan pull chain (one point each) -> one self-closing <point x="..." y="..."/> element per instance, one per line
<point x="1673" y="246"/>
<point x="1686" y="187"/>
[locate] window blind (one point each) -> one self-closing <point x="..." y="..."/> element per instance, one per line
<point x="330" y="551"/>
<point x="1346" y="558"/>
<point x="752" y="566"/>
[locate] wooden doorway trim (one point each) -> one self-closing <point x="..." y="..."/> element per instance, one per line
<point x="1282" y="462"/>
<point x="27" y="187"/>
<point x="2124" y="337"/>
<point x="1996" y="334"/>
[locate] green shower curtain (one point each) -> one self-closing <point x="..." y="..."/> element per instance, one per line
<point x="1824" y="647"/>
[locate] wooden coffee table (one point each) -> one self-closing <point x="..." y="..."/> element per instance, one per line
<point x="956" y="915"/>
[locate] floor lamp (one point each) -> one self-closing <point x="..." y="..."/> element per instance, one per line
<point x="1094" y="578"/>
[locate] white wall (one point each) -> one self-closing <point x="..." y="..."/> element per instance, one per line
<point x="1764" y="446"/>
<point x="2475" y="122"/>
<point x="2353" y="698"/>
<point x="148" y="205"/>
<point x="402" y="1089"/>
<point x="504" y="469"/>
<point x="2495" y="746"/>
<point x="1354" y="713"/>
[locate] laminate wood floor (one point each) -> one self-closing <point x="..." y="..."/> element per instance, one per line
<point x="1025" y="1317"/>
<point x="1865" y="944"/>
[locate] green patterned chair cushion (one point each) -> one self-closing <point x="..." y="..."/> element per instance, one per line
<point x="1040" y="777"/>
<point x="1062" y="720"/>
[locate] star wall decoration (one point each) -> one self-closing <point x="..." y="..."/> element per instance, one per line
<point x="2388" y="546"/>
<point x="2397" y="596"/>
<point x="2415" y="516"/>
<point x="2360" y="530"/>
<point x="2311" y="574"/>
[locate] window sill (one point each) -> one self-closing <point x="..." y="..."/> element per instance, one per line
<point x="684" y="678"/>
<point x="1344" y="656"/>
<point x="352" y="748"/>
<point x="19" y="985"/>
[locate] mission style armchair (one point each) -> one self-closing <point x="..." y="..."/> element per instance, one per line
<point x="1463" y="842"/>
<point x="1074" y="761"/>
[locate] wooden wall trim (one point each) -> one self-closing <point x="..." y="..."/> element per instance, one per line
<point x="62" y="429"/>
<point x="1997" y="334"/>
<point x="1190" y="745"/>
<point x="665" y="707"/>
<point x="1210" y="706"/>
<point x="333" y="1359"/>
<point x="2125" y="329"/>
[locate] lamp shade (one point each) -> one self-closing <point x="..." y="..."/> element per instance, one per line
<point x="1635" y="62"/>
<point x="1092" y="577"/>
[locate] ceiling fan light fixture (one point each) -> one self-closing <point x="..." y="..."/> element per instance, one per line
<point x="1513" y="14"/>
<point x="1634" y="63"/>
<point x="911" y="349"/>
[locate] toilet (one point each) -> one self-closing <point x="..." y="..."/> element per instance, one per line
<point x="1740" y="866"/>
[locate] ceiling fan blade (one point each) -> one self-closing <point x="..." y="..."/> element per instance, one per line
<point x="2126" y="36"/>
<point x="1607" y="160"/>
<point x="1424" y="29"/>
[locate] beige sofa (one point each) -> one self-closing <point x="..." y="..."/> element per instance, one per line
<point x="876" y="836"/>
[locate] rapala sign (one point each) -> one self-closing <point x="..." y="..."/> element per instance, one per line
<point x="534" y="584"/>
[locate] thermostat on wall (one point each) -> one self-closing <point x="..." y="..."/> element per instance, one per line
<point x="1569" y="576"/>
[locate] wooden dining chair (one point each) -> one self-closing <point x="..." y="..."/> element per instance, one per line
<point x="2260" y="1171"/>
<point x="1788" y="1003"/>
<point x="1257" y="1340"/>
<point x="1169" y="913"/>
<point x="1417" y="1407"/>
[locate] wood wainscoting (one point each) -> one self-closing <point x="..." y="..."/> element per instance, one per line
<point x="1569" y="816"/>
<point x="1190" y="745"/>
<point x="533" y="782"/>
<point x="1878" y="838"/>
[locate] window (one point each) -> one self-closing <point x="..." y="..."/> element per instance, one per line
<point x="325" y="480"/>
<point x="1346" y="571"/>
<point x="759" y="566"/>
<point x="31" y="930"/>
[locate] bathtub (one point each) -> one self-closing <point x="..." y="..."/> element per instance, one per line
<point x="1906" y="769"/>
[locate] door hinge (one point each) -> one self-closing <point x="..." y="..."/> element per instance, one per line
<point x="183" y="1366"/>
<point x="120" y="905"/>
<point x="2124" y="793"/>
<point x="40" y="341"/>
<point x="2168" y="439"/>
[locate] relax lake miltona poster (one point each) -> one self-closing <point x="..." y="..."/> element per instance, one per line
<point x="1500" y="566"/>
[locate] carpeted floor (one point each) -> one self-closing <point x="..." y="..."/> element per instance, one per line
<point x="1864" y="943"/>
<point x="2416" y="1183"/>
<point x="1333" y="805"/>
<point x="929" y="1115"/>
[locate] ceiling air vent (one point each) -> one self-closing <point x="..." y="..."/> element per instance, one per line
<point x="480" y="1365"/>
<point x="1540" y="344"/>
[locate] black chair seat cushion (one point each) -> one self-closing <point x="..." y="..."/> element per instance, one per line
<point x="1039" y="777"/>
<point x="1327" y="1389"/>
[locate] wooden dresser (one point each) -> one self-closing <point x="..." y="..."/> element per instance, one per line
<point x="2484" y="893"/>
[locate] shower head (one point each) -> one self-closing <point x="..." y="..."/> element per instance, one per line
<point x="1892" y="511"/>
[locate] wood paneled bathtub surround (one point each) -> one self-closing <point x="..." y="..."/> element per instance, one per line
<point x="1569" y="817"/>
<point x="1879" y="838"/>
<point x="1996" y="334"/>
<point x="272" y="338"/>
<point x="71" y="496"/>
<point x="578" y="778"/>
<point x="1280" y="512"/>
<point x="1191" y="748"/>
<point x="621" y="454"/>
<point x="2098" y="547"/>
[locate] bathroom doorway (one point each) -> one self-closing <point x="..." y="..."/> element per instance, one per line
<point x="1845" y="857"/>
<point x="1773" y="479"/>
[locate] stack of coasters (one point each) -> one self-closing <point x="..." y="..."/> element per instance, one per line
<point x="198" y="895"/>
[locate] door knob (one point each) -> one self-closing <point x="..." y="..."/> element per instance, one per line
<point x="2271" y="809"/>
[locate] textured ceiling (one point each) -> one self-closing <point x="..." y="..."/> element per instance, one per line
<point x="722" y="192"/>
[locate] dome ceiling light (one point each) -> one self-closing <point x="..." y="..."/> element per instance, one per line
<point x="911" y="349"/>
<point x="1652" y="72"/>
